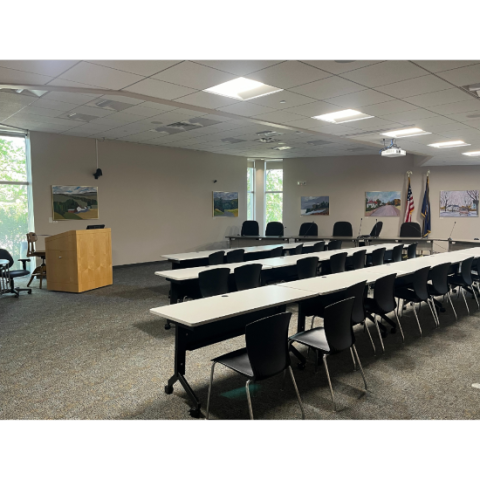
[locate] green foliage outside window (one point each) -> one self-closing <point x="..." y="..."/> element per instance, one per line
<point x="274" y="201"/>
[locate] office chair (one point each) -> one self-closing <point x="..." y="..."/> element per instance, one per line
<point x="410" y="229"/>
<point x="266" y="355"/>
<point x="358" y="260"/>
<point x="337" y="262"/>
<point x="464" y="280"/>
<point x="307" y="267"/>
<point x="377" y="257"/>
<point x="40" y="271"/>
<point x="248" y="276"/>
<point x="276" y="252"/>
<point x="412" y="251"/>
<point x="396" y="254"/>
<point x="217" y="258"/>
<point x="439" y="287"/>
<point x="309" y="229"/>
<point x="334" y="245"/>
<point x="235" y="256"/>
<point x="377" y="228"/>
<point x="250" y="228"/>
<point x="274" y="229"/>
<point x="298" y="250"/>
<point x="213" y="282"/>
<point x="342" y="229"/>
<point x="12" y="274"/>
<point x="317" y="247"/>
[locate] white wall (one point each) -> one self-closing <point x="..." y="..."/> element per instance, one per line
<point x="156" y="200"/>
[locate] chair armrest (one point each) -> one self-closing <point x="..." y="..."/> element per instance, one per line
<point x="23" y="260"/>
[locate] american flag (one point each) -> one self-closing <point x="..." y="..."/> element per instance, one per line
<point x="410" y="204"/>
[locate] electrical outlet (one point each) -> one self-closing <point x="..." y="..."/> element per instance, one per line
<point x="302" y="184"/>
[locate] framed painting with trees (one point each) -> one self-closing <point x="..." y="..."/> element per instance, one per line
<point x="459" y="203"/>
<point x="74" y="203"/>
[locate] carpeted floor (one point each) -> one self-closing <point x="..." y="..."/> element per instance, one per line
<point x="102" y="355"/>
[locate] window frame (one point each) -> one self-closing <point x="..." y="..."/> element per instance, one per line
<point x="266" y="192"/>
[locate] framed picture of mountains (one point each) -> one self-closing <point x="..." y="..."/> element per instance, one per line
<point x="74" y="203"/>
<point x="225" y="204"/>
<point x="315" y="205"/>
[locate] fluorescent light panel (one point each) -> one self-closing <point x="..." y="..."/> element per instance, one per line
<point x="471" y="154"/>
<point x="406" y="132"/>
<point x="343" y="116"/>
<point x="243" y="89"/>
<point x="452" y="144"/>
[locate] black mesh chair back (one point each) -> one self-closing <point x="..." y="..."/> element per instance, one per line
<point x="377" y="256"/>
<point x="410" y="229"/>
<point x="359" y="259"/>
<point x="248" y="276"/>
<point x="309" y="229"/>
<point x="274" y="229"/>
<point x="412" y="250"/>
<point x="307" y="267"/>
<point x="337" y="262"/>
<point x="357" y="291"/>
<point x="439" y="277"/>
<point x="213" y="282"/>
<point x="5" y="255"/>
<point x="267" y="345"/>
<point x="466" y="270"/>
<point x="276" y="252"/>
<point x="342" y="229"/>
<point x="338" y="325"/>
<point x="319" y="247"/>
<point x="420" y="278"/>
<point x="334" y="245"/>
<point x="397" y="253"/>
<point x="235" y="256"/>
<point x="297" y="250"/>
<point x="216" y="258"/>
<point x="383" y="293"/>
<point x="377" y="228"/>
<point x="249" y="228"/>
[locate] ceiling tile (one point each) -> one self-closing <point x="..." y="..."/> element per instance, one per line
<point x="415" y="86"/>
<point x="440" y="98"/>
<point x="457" y="107"/>
<point x="54" y="105"/>
<point x="288" y="74"/>
<point x="469" y="116"/>
<point x="97" y="75"/>
<point x="157" y="88"/>
<point x="86" y="129"/>
<point x="145" y="68"/>
<point x="385" y="108"/>
<point x="61" y="82"/>
<point x="384" y="73"/>
<point x="207" y="100"/>
<point x="280" y="116"/>
<point x="245" y="109"/>
<point x="50" y="68"/>
<point x="16" y="77"/>
<point x="436" y="66"/>
<point x="314" y="109"/>
<point x="238" y="67"/>
<point x="336" y="68"/>
<point x="359" y="99"/>
<point x="193" y="75"/>
<point x="142" y="111"/>
<point x="161" y="107"/>
<point x="96" y="112"/>
<point x="328" y="88"/>
<point x="69" y="97"/>
<point x="425" y="123"/>
<point x="409" y="116"/>
<point x="16" y="99"/>
<point x="290" y="100"/>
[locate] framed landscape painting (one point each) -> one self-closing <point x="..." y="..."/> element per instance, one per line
<point x="74" y="203"/>
<point x="459" y="203"/>
<point x="315" y="205"/>
<point x="383" y="204"/>
<point x="225" y="204"/>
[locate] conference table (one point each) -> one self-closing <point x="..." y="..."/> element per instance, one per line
<point x="462" y="244"/>
<point x="211" y="320"/>
<point x="255" y="240"/>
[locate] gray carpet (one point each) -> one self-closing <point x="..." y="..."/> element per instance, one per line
<point x="102" y="355"/>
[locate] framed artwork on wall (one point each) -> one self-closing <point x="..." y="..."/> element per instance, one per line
<point x="74" y="203"/>
<point x="459" y="203"/>
<point x="383" y="204"/>
<point x="315" y="205"/>
<point x="225" y="204"/>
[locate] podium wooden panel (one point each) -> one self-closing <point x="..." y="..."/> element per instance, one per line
<point x="79" y="260"/>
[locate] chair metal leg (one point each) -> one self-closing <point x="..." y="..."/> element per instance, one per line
<point x="210" y="391"/>
<point x="464" y="299"/>
<point x="360" y="365"/>
<point x="297" y="392"/>
<point x="370" y="337"/>
<point x="475" y="295"/>
<point x="400" y="326"/>
<point x="418" y="321"/>
<point x="379" y="333"/>
<point x="329" y="381"/>
<point x="250" y="409"/>
<point x="435" y="311"/>
<point x="313" y="320"/>
<point x="453" y="308"/>
<point x="353" y="360"/>
<point x="431" y="311"/>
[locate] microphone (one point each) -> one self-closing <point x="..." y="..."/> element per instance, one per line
<point x="360" y="229"/>
<point x="450" y="237"/>
<point x="375" y="231"/>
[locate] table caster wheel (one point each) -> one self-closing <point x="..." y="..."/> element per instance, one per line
<point x="195" y="413"/>
<point x="168" y="389"/>
<point x="168" y="326"/>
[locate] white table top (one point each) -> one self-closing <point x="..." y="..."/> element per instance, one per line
<point x="212" y="309"/>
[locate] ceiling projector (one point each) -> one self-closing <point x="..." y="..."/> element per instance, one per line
<point x="393" y="152"/>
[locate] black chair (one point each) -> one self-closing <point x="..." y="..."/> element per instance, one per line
<point x="248" y="276"/>
<point x="276" y="252"/>
<point x="307" y="267"/>
<point x="337" y="262"/>
<point x="464" y="280"/>
<point x="377" y="256"/>
<point x="382" y="303"/>
<point x="235" y="256"/>
<point x="308" y="230"/>
<point x="396" y="255"/>
<point x="342" y="229"/>
<point x="412" y="251"/>
<point x="334" y="337"/>
<point x="439" y="287"/>
<point x="476" y="274"/>
<point x="317" y="247"/>
<point x="298" y="250"/>
<point x="5" y="255"/>
<point x="377" y="228"/>
<point x="334" y="245"/>
<point x="417" y="292"/>
<point x="250" y="228"/>
<point x="411" y="229"/>
<point x="216" y="258"/>
<point x="213" y="282"/>
<point x="358" y="260"/>
<point x="274" y="229"/>
<point x="266" y="355"/>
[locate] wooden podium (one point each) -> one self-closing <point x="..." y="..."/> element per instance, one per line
<point x="79" y="260"/>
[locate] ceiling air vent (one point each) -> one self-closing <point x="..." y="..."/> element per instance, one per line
<point x="112" y="105"/>
<point x="473" y="90"/>
<point x="317" y="143"/>
<point x="269" y="133"/>
<point x="82" y="117"/>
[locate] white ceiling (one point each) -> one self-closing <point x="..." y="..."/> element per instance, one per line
<point x="154" y="94"/>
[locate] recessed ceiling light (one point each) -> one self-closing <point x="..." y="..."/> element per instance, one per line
<point x="283" y="101"/>
<point x="243" y="89"/>
<point x="406" y="132"/>
<point x="453" y="143"/>
<point x="471" y="154"/>
<point x="343" y="116"/>
<point x="286" y="147"/>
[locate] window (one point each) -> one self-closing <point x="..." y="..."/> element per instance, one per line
<point x="13" y="196"/>
<point x="274" y="195"/>
<point x="250" y="193"/>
